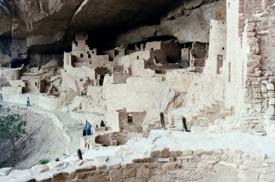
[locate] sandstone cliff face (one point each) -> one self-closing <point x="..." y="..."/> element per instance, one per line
<point x="6" y="18"/>
<point x="49" y="24"/>
<point x="190" y="22"/>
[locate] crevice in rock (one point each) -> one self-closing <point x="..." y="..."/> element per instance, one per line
<point x="5" y="7"/>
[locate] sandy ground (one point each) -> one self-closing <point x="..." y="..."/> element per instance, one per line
<point x="43" y="139"/>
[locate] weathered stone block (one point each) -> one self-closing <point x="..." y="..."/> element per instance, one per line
<point x="253" y="164"/>
<point x="257" y="90"/>
<point x="117" y="166"/>
<point x="102" y="167"/>
<point x="175" y="153"/>
<point x="144" y="160"/>
<point x="189" y="165"/>
<point x="152" y="165"/>
<point x="130" y="180"/>
<point x="164" y="160"/>
<point x="265" y="170"/>
<point x="271" y="94"/>
<point x="115" y="175"/>
<point x="187" y="153"/>
<point x="97" y="179"/>
<point x="169" y="166"/>
<point x="203" y="165"/>
<point x="200" y="152"/>
<point x="270" y="87"/>
<point x="143" y="172"/>
<point x="228" y="164"/>
<point x="62" y="176"/>
<point x="165" y="153"/>
<point x="84" y="176"/>
<point x="86" y="169"/>
<point x="248" y="176"/>
<point x="129" y="172"/>
<point x="271" y="101"/>
<point x="129" y="165"/>
<point x="155" y="154"/>
<point x="252" y="64"/>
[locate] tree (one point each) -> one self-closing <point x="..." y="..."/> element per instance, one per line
<point x="12" y="127"/>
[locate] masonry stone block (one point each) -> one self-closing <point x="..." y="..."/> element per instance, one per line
<point x="143" y="172"/>
<point x="165" y="153"/>
<point x="270" y="87"/>
<point x="115" y="175"/>
<point x="59" y="177"/>
<point x="129" y="172"/>
<point x="97" y="179"/>
<point x="155" y="154"/>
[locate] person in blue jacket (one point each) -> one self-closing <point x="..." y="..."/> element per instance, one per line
<point x="28" y="102"/>
<point x="88" y="128"/>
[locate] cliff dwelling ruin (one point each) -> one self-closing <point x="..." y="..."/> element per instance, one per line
<point x="125" y="91"/>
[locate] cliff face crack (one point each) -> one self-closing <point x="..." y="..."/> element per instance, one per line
<point x="5" y="7"/>
<point x="84" y="2"/>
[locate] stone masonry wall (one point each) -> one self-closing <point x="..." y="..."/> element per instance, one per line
<point x="247" y="8"/>
<point x="259" y="87"/>
<point x="164" y="165"/>
<point x="254" y="100"/>
<point x="250" y="64"/>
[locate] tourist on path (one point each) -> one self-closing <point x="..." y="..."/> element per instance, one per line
<point x="88" y="128"/>
<point x="28" y="102"/>
<point x="87" y="132"/>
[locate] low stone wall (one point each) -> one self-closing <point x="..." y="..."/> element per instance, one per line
<point x="165" y="165"/>
<point x="112" y="139"/>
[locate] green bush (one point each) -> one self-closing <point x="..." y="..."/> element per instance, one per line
<point x="44" y="161"/>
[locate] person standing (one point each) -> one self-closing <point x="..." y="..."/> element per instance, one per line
<point x="88" y="128"/>
<point x="87" y="132"/>
<point x="28" y="102"/>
